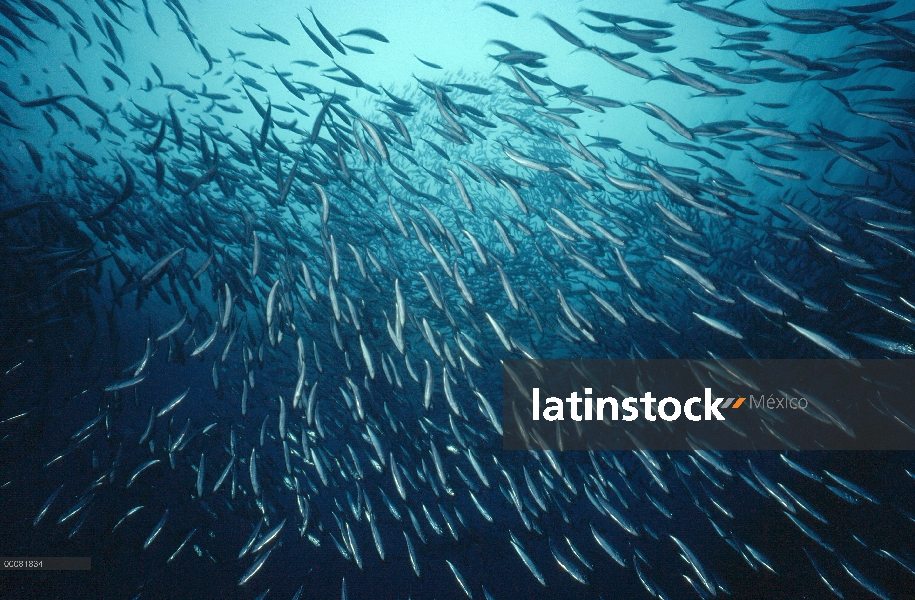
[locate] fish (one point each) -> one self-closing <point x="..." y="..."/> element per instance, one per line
<point x="268" y="538"/>
<point x="721" y="326"/>
<point x="136" y="473"/>
<point x="252" y="571"/>
<point x="500" y="9"/>
<point x="825" y="343"/>
<point x="710" y="586"/>
<point x="181" y="546"/>
<point x="156" y="530"/>
<point x="528" y="562"/>
<point x="460" y="578"/>
<point x="35" y="156"/>
<point x="125" y="383"/>
<point x="47" y="504"/>
<point x="369" y="33"/>
<point x="568" y="566"/>
<point x="431" y="65"/>
<point x="130" y="512"/>
<point x="425" y="224"/>
<point x="172" y="404"/>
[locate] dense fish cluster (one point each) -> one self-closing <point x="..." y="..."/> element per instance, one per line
<point x="252" y="312"/>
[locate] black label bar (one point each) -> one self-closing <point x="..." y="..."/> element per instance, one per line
<point x="46" y="563"/>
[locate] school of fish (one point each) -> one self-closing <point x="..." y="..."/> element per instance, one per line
<point x="250" y="328"/>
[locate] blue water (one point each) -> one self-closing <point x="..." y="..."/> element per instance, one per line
<point x="75" y="312"/>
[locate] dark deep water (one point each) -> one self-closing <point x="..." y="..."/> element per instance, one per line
<point x="159" y="158"/>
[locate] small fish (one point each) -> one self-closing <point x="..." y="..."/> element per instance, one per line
<point x="500" y="9"/>
<point x="47" y="504"/>
<point x="427" y="63"/>
<point x="156" y="530"/>
<point x="719" y="325"/>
